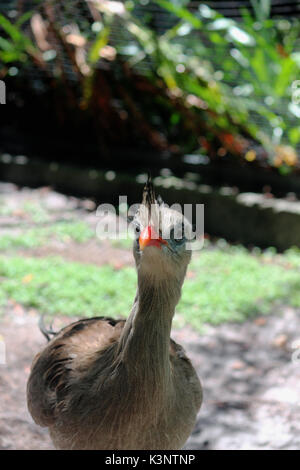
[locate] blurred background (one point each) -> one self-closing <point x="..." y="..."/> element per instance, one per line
<point x="206" y="95"/>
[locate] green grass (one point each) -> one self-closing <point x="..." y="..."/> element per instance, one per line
<point x="55" y="286"/>
<point x="223" y="284"/>
<point x="124" y="243"/>
<point x="232" y="285"/>
<point x="37" y="236"/>
<point x="36" y="211"/>
<point x="32" y="209"/>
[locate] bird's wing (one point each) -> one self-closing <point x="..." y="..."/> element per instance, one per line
<point x="69" y="354"/>
<point x="186" y="375"/>
<point x="177" y="351"/>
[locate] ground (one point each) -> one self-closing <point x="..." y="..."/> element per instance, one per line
<point x="250" y="371"/>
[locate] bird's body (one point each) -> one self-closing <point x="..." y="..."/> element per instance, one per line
<point x="107" y="384"/>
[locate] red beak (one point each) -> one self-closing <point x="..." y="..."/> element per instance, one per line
<point x="149" y="237"/>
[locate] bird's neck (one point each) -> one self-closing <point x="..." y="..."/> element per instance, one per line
<point x="145" y="340"/>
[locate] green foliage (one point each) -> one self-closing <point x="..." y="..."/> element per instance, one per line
<point x="38" y="236"/>
<point x="181" y="12"/>
<point x="262" y="9"/>
<point x="254" y="62"/>
<point x="56" y="287"/>
<point x="18" y="45"/>
<point x="210" y="81"/>
<point x="232" y="284"/>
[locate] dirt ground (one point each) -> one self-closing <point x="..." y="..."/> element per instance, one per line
<point x="250" y="372"/>
<point x="251" y="385"/>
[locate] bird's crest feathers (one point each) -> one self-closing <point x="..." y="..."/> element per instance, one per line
<point x="149" y="209"/>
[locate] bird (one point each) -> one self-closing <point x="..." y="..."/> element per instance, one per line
<point x="108" y="384"/>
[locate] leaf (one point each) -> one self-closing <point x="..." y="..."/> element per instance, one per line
<point x="11" y="56"/>
<point x="284" y="170"/>
<point x="100" y="41"/>
<point x="181" y="13"/>
<point x="283" y="80"/>
<point x="294" y="135"/>
<point x="10" y="29"/>
<point x="259" y="65"/>
<point x="262" y="9"/>
<point x="21" y="42"/>
<point x="165" y="72"/>
<point x="6" y="45"/>
<point x="23" y="18"/>
<point x="173" y="32"/>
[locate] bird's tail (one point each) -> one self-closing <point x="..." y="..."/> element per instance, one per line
<point x="47" y="332"/>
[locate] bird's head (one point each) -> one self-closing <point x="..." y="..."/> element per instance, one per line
<point x="160" y="247"/>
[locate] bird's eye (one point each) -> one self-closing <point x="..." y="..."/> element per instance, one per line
<point x="177" y="236"/>
<point x="137" y="230"/>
